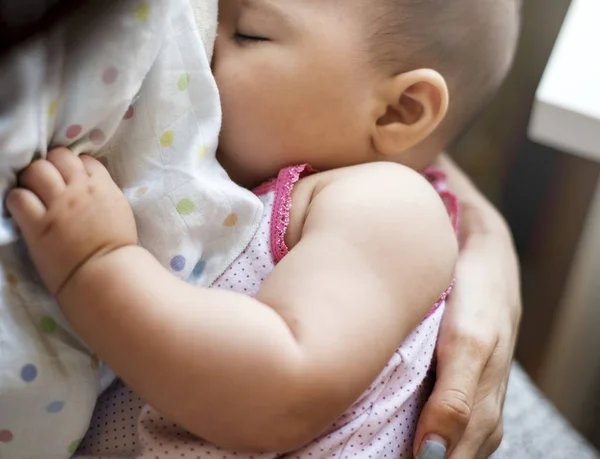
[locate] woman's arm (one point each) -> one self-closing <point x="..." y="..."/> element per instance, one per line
<point x="478" y="334"/>
<point x="373" y="251"/>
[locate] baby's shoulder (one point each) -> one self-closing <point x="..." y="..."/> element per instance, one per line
<point x="378" y="190"/>
<point x="373" y="180"/>
<point x="382" y="200"/>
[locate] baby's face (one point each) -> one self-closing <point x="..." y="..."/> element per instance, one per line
<point x="295" y="85"/>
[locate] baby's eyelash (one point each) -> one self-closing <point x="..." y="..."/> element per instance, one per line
<point x="242" y="38"/>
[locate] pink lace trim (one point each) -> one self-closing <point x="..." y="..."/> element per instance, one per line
<point x="441" y="300"/>
<point x="437" y="178"/>
<point x="280" y="218"/>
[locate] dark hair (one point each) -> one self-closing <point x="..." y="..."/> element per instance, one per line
<point x="21" y="20"/>
<point x="471" y="43"/>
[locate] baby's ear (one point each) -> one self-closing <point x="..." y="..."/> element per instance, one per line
<point x="413" y="104"/>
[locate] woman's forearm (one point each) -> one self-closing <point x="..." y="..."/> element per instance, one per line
<point x="485" y="238"/>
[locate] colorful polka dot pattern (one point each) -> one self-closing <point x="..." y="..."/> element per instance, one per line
<point x="29" y="373"/>
<point x="185" y="206"/>
<point x="73" y="446"/>
<point x="183" y="82"/>
<point x="254" y="265"/>
<point x="167" y="138"/>
<point x="55" y="407"/>
<point x="110" y="75"/>
<point x="47" y="325"/>
<point x="142" y="11"/>
<point x="199" y="269"/>
<point x="129" y="113"/>
<point x="178" y="263"/>
<point x="53" y="107"/>
<point x="97" y="137"/>
<point x="6" y="436"/>
<point x="231" y="220"/>
<point x="73" y="131"/>
<point x="141" y="191"/>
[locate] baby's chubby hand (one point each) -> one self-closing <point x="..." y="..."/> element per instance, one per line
<point x="70" y="213"/>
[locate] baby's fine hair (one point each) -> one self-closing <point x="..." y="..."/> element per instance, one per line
<point x="471" y="43"/>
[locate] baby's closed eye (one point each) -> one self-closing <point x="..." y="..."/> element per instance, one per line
<point x="243" y="38"/>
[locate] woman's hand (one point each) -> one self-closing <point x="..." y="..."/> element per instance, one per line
<point x="463" y="417"/>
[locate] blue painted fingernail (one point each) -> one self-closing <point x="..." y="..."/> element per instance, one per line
<point x="432" y="450"/>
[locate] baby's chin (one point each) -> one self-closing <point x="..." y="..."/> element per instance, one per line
<point x="237" y="172"/>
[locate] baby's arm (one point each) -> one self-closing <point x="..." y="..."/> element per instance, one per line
<point x="372" y="250"/>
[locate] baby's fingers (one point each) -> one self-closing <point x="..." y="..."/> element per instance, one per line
<point x="94" y="167"/>
<point x="67" y="163"/>
<point x="26" y="209"/>
<point x="43" y="179"/>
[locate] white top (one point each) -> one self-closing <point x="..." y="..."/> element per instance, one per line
<point x="139" y="91"/>
<point x="566" y="113"/>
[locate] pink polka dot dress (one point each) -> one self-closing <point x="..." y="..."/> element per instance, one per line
<point x="380" y="424"/>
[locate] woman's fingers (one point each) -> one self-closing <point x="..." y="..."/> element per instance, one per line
<point x="492" y="444"/>
<point x="484" y="433"/>
<point x="493" y="415"/>
<point x="447" y="413"/>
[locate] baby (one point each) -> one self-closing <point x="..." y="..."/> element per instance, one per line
<point x="371" y="249"/>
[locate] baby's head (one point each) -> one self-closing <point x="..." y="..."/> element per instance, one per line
<point x="335" y="83"/>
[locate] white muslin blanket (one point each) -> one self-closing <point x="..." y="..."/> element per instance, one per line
<point x="135" y="86"/>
